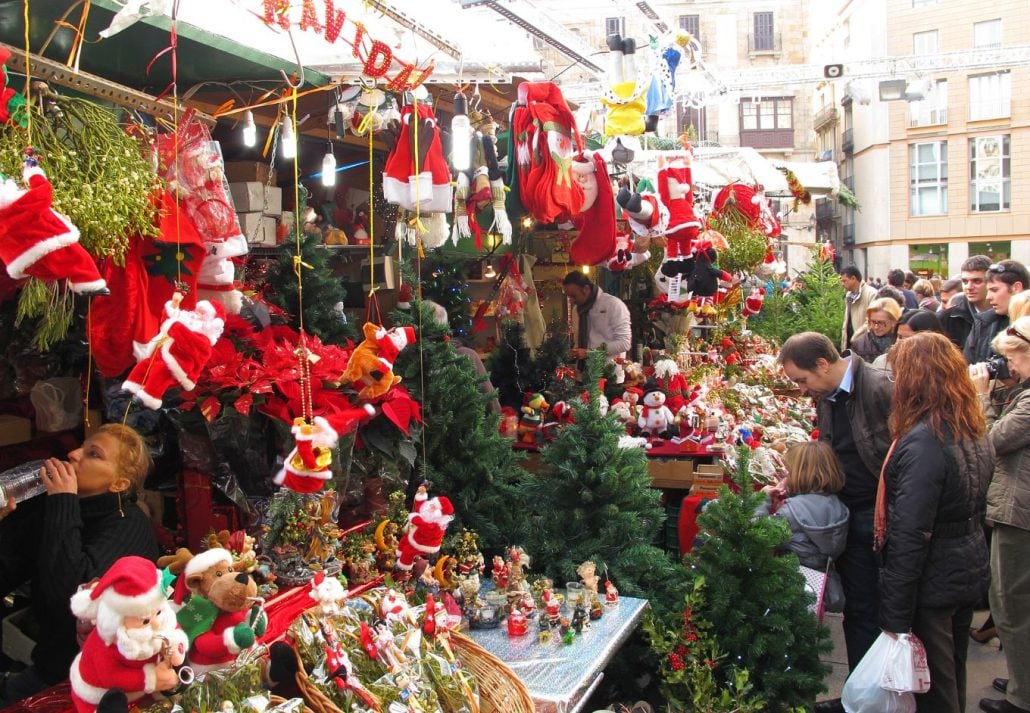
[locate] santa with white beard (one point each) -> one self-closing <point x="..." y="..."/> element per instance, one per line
<point x="136" y="641"/>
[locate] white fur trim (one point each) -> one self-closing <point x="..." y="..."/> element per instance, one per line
<point x="369" y="409"/>
<point x="173" y="366"/>
<point x="150" y="678"/>
<point x="230" y="641"/>
<point x="687" y="224"/>
<point x="83" y="605"/>
<point x="141" y="605"/>
<point x="16" y="268"/>
<point x="280" y="477"/>
<point x="151" y="402"/>
<point x="88" y="693"/>
<point x="421" y="548"/>
<point x="80" y="288"/>
<point x="206" y="560"/>
<point x="30" y="171"/>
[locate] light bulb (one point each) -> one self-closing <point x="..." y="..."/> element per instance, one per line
<point x="249" y="129"/>
<point x="461" y="135"/>
<point x="489" y="273"/>
<point x="585" y="269"/>
<point x="288" y="138"/>
<point x="527" y="222"/>
<point x="329" y="168"/>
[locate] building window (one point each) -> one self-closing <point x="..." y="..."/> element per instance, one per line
<point x="987" y="34"/>
<point x="990" y="96"/>
<point x="932" y="110"/>
<point x="691" y="24"/>
<point x="924" y="42"/>
<point x="989" y="174"/>
<point x="614" y="26"/>
<point x="768" y="123"/>
<point x="764" y="40"/>
<point x="928" y="178"/>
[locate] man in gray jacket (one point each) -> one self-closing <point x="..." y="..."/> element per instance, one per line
<point x="602" y="319"/>
<point x="853" y="407"/>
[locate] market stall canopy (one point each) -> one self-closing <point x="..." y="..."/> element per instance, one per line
<point x="717" y="166"/>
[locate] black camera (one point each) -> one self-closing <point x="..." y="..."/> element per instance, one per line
<point x="998" y="367"/>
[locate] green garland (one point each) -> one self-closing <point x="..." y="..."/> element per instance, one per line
<point x="747" y="246"/>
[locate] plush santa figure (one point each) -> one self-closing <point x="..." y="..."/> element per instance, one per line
<point x="37" y="241"/>
<point x="425" y="529"/>
<point x="754" y="301"/>
<point x="645" y="212"/>
<point x="306" y="468"/>
<point x="328" y="593"/>
<point x="178" y="353"/>
<point x="394" y="607"/>
<point x="655" y="416"/>
<point x="135" y="644"/>
<point x="596" y="221"/>
<point x="676" y="191"/>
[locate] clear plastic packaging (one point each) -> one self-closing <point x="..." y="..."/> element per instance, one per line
<point x="21" y="483"/>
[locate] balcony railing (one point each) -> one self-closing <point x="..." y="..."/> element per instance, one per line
<point x="825" y="117"/>
<point x="826" y="211"/>
<point x="847" y="143"/>
<point x="849" y="234"/>
<point x="764" y="43"/>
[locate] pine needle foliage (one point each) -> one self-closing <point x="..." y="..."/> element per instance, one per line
<point x="755" y="600"/>
<point x="818" y="306"/>
<point x="462" y="454"/>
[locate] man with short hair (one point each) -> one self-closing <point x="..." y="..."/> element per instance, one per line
<point x="853" y="407"/>
<point x="1004" y="279"/>
<point x="949" y="288"/>
<point x="958" y="317"/>
<point x="603" y="319"/>
<point x="896" y="278"/>
<point x="856" y="301"/>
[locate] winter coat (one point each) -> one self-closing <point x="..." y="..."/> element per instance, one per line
<point x="935" y="553"/>
<point x="855" y="311"/>
<point x="986" y="327"/>
<point x="609" y="325"/>
<point x="868" y="410"/>
<point x="957" y="320"/>
<point x="1008" y="498"/>
<point x="866" y="348"/>
<point x="818" y="535"/>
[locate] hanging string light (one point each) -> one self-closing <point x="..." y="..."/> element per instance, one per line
<point x="461" y="135"/>
<point x="288" y="138"/>
<point x="249" y="129"/>
<point x="329" y="166"/>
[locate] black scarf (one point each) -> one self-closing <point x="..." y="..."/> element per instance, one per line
<point x="583" y="311"/>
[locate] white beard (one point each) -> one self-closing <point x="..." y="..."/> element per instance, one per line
<point x="138" y="644"/>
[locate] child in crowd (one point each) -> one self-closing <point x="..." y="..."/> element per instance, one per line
<point x="818" y="520"/>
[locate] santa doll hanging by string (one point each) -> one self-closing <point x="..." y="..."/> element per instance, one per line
<point x="37" y="241"/>
<point x="307" y="467"/>
<point x="426" y="526"/>
<point x="675" y="186"/>
<point x="178" y="353"/>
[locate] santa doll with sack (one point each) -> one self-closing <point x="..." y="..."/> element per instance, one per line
<point x="426" y="526"/>
<point x="135" y="644"/>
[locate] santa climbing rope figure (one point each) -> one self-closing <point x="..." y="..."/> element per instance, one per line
<point x="426" y="527"/>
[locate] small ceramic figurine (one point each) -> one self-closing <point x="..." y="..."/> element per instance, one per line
<point x="532" y="418"/>
<point x="588" y="575"/>
<point x="596" y="609"/>
<point x="500" y="572"/>
<point x="518" y="624"/>
<point x="552" y="606"/>
<point x="611" y="594"/>
<point x="579" y="619"/>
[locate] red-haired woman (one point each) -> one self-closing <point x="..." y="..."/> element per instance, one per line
<point x="929" y="513"/>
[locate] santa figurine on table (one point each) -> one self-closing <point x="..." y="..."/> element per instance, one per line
<point x="135" y="644"/>
<point x="426" y="526"/>
<point x="178" y="353"/>
<point x="37" y="241"/>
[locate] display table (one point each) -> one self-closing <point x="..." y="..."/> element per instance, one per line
<point x="561" y="678"/>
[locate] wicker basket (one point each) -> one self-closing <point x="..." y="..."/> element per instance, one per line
<point x="500" y="690"/>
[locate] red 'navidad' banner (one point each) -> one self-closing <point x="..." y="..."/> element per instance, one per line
<point x="378" y="59"/>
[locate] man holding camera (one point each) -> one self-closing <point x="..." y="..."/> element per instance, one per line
<point x="1004" y="279"/>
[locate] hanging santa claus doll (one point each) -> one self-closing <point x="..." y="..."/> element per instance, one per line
<point x="178" y="353"/>
<point x="676" y="190"/>
<point x="307" y="467"/>
<point x="135" y="644"/>
<point x="37" y="241"/>
<point x="426" y="526"/>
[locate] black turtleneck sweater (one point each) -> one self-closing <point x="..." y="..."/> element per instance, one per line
<point x="58" y="542"/>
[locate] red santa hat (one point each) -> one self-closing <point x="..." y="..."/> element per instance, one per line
<point x="390" y="342"/>
<point x="198" y="565"/>
<point x="404" y="296"/>
<point x="596" y="240"/>
<point x="130" y="587"/>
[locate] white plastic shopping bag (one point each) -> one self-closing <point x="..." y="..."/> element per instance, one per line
<point x="863" y="692"/>
<point x="906" y="670"/>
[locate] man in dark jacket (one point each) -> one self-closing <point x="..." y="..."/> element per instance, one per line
<point x="1004" y="279"/>
<point x="853" y="405"/>
<point x="896" y="279"/>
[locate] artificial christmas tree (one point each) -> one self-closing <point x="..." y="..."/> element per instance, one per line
<point x="816" y="305"/>
<point x="755" y="600"/>
<point x="445" y="281"/>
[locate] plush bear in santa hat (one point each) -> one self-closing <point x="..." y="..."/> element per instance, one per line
<point x="178" y="353"/>
<point x="135" y="644"/>
<point x="426" y="526"/>
<point x="370" y="366"/>
<point x="36" y="241"/>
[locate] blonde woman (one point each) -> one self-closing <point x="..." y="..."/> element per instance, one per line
<point x="882" y="318"/>
<point x="926" y="295"/>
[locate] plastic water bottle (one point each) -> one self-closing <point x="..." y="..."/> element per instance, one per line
<point x="21" y="483"/>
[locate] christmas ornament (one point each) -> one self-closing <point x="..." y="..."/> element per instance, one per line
<point x="328" y="593"/>
<point x="426" y="526"/>
<point x="178" y="353"/>
<point x="675" y="186"/>
<point x="371" y="364"/>
<point x="419" y="182"/>
<point x="135" y="642"/>
<point x="36" y="241"/>
<point x="624" y="257"/>
<point x="532" y="418"/>
<point x="306" y="468"/>
<point x="753" y="303"/>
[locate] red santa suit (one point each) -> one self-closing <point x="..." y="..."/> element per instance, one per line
<point x="37" y="241"/>
<point x="108" y="660"/>
<point x="425" y="529"/>
<point x="179" y="352"/>
<point x="675" y="186"/>
<point x="217" y="646"/>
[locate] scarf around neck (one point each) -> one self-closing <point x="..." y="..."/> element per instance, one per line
<point x="583" y="312"/>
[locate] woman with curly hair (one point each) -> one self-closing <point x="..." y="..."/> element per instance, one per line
<point x="929" y="511"/>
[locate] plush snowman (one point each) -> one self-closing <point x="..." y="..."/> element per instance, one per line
<point x="655" y="417"/>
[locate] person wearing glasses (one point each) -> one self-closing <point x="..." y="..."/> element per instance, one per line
<point x="1004" y="279"/>
<point x="959" y="314"/>
<point x="910" y="324"/>
<point x="1008" y="511"/>
<point x="882" y="317"/>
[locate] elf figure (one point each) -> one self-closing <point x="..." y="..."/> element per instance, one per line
<point x="426" y="526"/>
<point x="135" y="644"/>
<point x="37" y="241"/>
<point x="676" y="190"/>
<point x="178" y="353"/>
